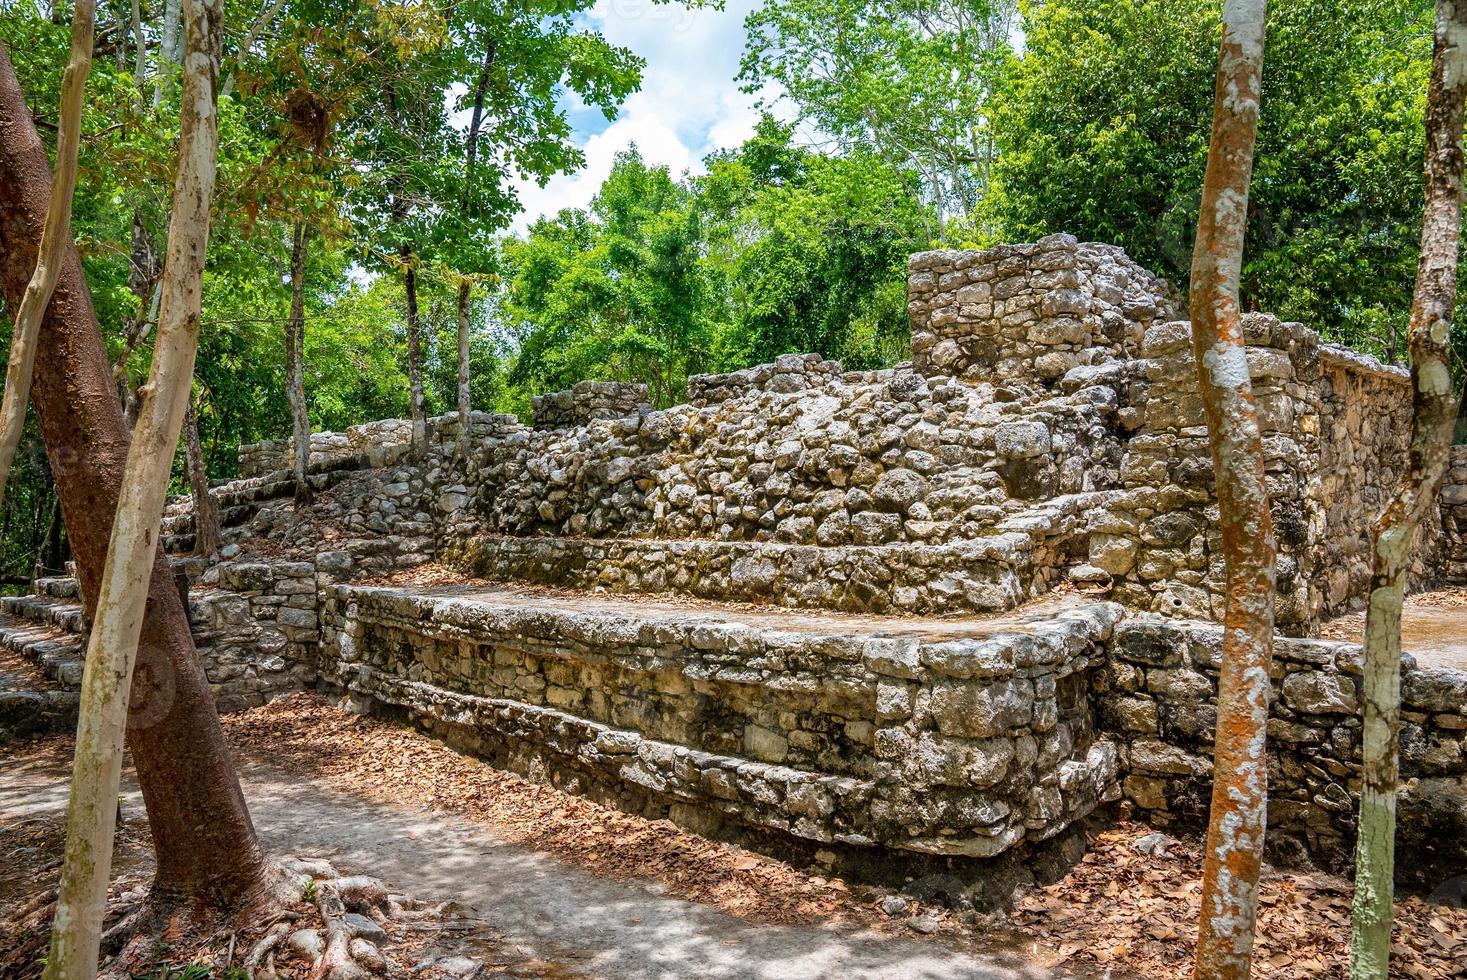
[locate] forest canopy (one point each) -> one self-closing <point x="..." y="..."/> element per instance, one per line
<point x="888" y="129"/>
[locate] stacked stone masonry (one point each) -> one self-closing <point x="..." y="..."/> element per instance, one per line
<point x="1048" y="433"/>
<point x="589" y="400"/>
<point x="827" y="731"/>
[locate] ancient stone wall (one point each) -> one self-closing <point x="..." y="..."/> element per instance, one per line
<point x="1030" y="311"/>
<point x="1452" y="557"/>
<point x="589" y="400"/>
<point x="256" y="630"/>
<point x="1365" y="424"/>
<point x="1161" y="544"/>
<point x="789" y="373"/>
<point x="936" y="745"/>
<point x="1070" y="445"/>
<point x="1158" y="695"/>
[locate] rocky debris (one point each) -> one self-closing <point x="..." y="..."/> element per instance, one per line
<point x="894" y="906"/>
<point x="923" y="924"/>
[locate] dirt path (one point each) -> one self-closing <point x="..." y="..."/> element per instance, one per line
<point x="1433" y="628"/>
<point x="594" y="926"/>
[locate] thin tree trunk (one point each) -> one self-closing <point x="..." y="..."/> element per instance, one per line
<point x="263" y="21"/>
<point x="167" y="47"/>
<point x="207" y="537"/>
<point x="1434" y="413"/>
<point x="471" y="153"/>
<point x="1240" y="773"/>
<point x="295" y="386"/>
<point x="124" y="594"/>
<point x="140" y="65"/>
<point x="54" y="238"/>
<point x="415" y="353"/>
<point x="465" y="435"/>
<point x="178" y="748"/>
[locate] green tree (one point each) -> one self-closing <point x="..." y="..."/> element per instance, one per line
<point x="811" y="251"/>
<point x="1103" y="133"/>
<point x="912" y="81"/>
<point x="613" y="292"/>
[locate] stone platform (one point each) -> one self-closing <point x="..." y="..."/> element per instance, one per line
<point x="950" y="737"/>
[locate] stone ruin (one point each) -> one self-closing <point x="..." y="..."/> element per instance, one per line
<point x="921" y="620"/>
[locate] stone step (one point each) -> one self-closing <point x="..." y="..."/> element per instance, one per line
<point x="59" y="587"/>
<point x="950" y="736"/>
<point x="56" y="651"/>
<point x="31" y="703"/>
<point x="65" y="614"/>
<point x="1023" y="557"/>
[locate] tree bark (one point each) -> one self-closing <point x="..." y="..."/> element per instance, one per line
<point x="295" y="385"/>
<point x="465" y="409"/>
<point x="415" y="353"/>
<point x="54" y="238"/>
<point x="178" y="748"/>
<point x="1240" y="774"/>
<point x="168" y="47"/>
<point x="122" y="600"/>
<point x="1434" y="413"/>
<point x="471" y="154"/>
<point x="207" y="537"/>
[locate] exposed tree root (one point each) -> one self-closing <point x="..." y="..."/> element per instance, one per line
<point x="311" y="923"/>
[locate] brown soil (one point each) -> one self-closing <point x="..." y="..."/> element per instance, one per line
<point x="1117" y="911"/>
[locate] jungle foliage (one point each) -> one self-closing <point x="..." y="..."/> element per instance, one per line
<point x="891" y="128"/>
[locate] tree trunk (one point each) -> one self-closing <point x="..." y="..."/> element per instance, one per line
<point x="207" y="537"/>
<point x="1434" y="413"/>
<point x="168" y="52"/>
<point x="54" y="239"/>
<point x="465" y="435"/>
<point x="178" y="749"/>
<point x="415" y="353"/>
<point x="1240" y="774"/>
<point x="122" y="600"/>
<point x="295" y="385"/>
<point x="471" y="153"/>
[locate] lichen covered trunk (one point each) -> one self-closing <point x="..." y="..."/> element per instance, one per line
<point x="1434" y="413"/>
<point x="295" y="384"/>
<point x="464" y="433"/>
<point x="207" y="539"/>
<point x="415" y="353"/>
<point x="55" y="236"/>
<point x="1240" y="775"/>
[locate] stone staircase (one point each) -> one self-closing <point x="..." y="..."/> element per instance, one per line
<point x="42" y="649"/>
<point x="1017" y="562"/>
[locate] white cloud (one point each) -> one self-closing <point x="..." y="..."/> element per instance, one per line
<point x="688" y="106"/>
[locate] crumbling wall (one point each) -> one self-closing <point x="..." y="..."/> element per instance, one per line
<point x="1026" y="312"/>
<point x="1161" y="543"/>
<point x="787" y="374"/>
<point x="1158" y="694"/>
<point x="1451" y="563"/>
<point x="589" y="400"/>
<point x="1365" y="427"/>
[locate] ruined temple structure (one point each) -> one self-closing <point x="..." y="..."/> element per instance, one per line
<point x="916" y="621"/>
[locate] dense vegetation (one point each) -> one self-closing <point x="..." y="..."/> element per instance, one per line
<point x="910" y="125"/>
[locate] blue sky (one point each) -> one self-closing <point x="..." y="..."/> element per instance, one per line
<point x="688" y="106"/>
